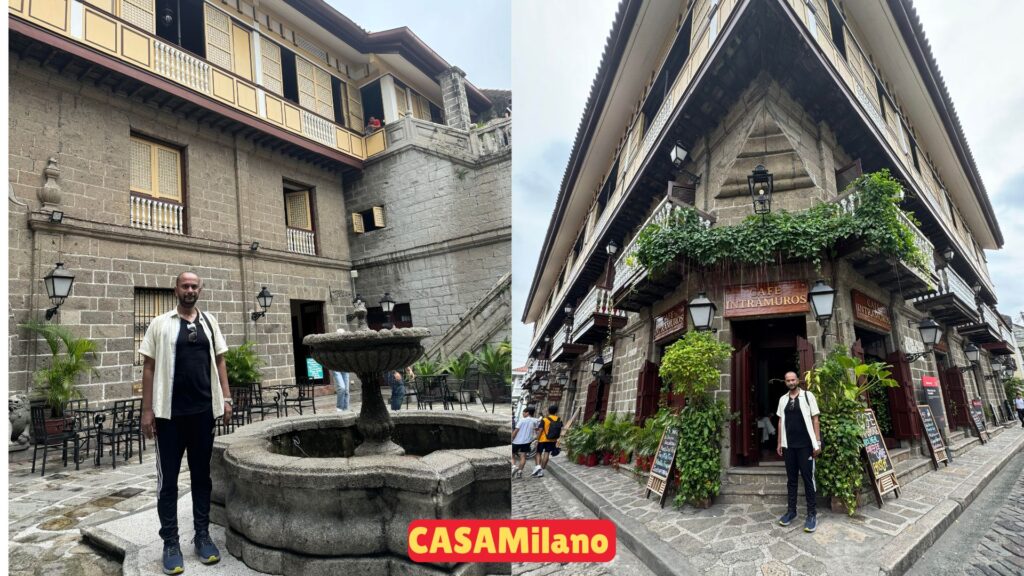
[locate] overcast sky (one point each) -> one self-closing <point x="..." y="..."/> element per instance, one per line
<point x="474" y="35"/>
<point x="557" y="47"/>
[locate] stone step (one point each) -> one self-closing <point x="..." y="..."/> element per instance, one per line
<point x="964" y="445"/>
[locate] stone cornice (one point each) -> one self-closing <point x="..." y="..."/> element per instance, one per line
<point x="503" y="234"/>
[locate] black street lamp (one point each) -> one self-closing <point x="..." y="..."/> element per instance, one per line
<point x="972" y="352"/>
<point x="761" y="183"/>
<point x="597" y="364"/>
<point x="562" y="380"/>
<point x="823" y="301"/>
<point x="702" y="312"/>
<point x="58" y="284"/>
<point x="264" y="299"/>
<point x="387" y="303"/>
<point x="611" y="248"/>
<point x="931" y="334"/>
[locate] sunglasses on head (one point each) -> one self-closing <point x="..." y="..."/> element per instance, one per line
<point x="192" y="336"/>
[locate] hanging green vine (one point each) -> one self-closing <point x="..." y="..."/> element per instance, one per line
<point x="809" y="235"/>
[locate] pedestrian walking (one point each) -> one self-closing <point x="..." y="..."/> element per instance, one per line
<point x="523" y="435"/>
<point x="550" y="432"/>
<point x="341" y="385"/>
<point x="1018" y="403"/>
<point x="394" y="380"/>
<point x="184" y="390"/>
<point x="799" y="443"/>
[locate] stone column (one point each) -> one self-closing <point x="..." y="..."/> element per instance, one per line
<point x="387" y="96"/>
<point x="453" y="92"/>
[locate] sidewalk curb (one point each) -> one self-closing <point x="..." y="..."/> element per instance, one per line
<point x="656" y="554"/>
<point x="99" y="537"/>
<point x="900" y="554"/>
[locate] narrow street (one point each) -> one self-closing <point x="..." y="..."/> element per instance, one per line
<point x="547" y="498"/>
<point x="988" y="539"/>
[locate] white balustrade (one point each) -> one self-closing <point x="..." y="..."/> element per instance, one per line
<point x="990" y="318"/>
<point x="301" y="241"/>
<point x="181" y="67"/>
<point x="924" y="245"/>
<point x="493" y="138"/>
<point x="151" y="214"/>
<point x="318" y="129"/>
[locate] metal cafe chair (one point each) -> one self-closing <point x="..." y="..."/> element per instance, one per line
<point x="50" y="433"/>
<point x="84" y="426"/>
<point x="303" y="397"/>
<point x="412" y="390"/>
<point x="241" y="410"/>
<point x="125" y="427"/>
<point x="261" y="404"/>
<point x="431" y="389"/>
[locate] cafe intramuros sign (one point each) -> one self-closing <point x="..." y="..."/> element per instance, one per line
<point x="670" y="323"/>
<point x="767" y="298"/>
<point x="870" y="311"/>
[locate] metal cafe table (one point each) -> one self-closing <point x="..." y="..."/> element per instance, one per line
<point x="99" y="416"/>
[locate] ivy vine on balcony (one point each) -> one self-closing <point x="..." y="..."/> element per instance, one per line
<point x="811" y="235"/>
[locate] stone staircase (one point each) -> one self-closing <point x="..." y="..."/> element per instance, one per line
<point x="487" y="321"/>
<point x="766" y="483"/>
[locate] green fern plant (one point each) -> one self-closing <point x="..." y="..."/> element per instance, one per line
<point x="57" y="383"/>
<point x="243" y="364"/>
<point x="459" y="366"/>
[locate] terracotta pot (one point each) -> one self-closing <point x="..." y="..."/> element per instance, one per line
<point x="580" y="459"/>
<point x="607" y="458"/>
<point x="624" y="458"/>
<point x="591" y="460"/>
<point x="55" y="426"/>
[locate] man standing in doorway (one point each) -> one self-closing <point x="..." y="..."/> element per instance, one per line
<point x="184" y="389"/>
<point x="800" y="443"/>
<point x="1018" y="403"/>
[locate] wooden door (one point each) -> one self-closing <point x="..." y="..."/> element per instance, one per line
<point x="590" y="408"/>
<point x="955" y="396"/>
<point x="745" y="446"/>
<point x="902" y="407"/>
<point x="648" y="392"/>
<point x="805" y="352"/>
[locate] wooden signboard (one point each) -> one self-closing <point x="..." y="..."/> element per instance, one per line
<point x="671" y="323"/>
<point x="762" y="299"/>
<point x="934" y="437"/>
<point x="664" y="462"/>
<point x="978" y="421"/>
<point x="870" y="311"/>
<point x="879" y="466"/>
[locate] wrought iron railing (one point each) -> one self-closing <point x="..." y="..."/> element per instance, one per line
<point x="159" y="215"/>
<point x="301" y="241"/>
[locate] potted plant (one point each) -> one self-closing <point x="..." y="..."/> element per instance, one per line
<point x="70" y="359"/>
<point x="690" y="366"/>
<point x="839" y="384"/>
<point x="621" y="430"/>
<point x="458" y="368"/>
<point x="243" y="365"/>
<point x="426" y="367"/>
<point x="495" y="362"/>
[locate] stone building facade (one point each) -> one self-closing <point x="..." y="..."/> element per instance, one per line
<point x="726" y="97"/>
<point x="266" y="188"/>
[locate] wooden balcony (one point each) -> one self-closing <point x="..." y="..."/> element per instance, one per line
<point x="634" y="287"/>
<point x="595" y="317"/>
<point x="1005" y="345"/>
<point x="562" y="350"/>
<point x="986" y="331"/>
<point x="953" y="303"/>
<point x="135" y="59"/>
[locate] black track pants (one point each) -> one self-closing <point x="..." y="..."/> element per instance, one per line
<point x="175" y="437"/>
<point x="800" y="462"/>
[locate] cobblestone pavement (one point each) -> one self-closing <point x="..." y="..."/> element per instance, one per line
<point x="547" y="498"/>
<point x="745" y="539"/>
<point x="1001" y="550"/>
<point x="45" y="513"/>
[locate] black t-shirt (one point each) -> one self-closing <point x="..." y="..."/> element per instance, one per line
<point x="796" y="430"/>
<point x="191" y="393"/>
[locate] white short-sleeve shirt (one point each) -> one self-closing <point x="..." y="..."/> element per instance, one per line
<point x="808" y="408"/>
<point x="160" y="344"/>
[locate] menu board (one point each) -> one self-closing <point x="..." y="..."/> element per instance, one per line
<point x="978" y="420"/>
<point x="933" y="398"/>
<point x="879" y="464"/>
<point x="661" y="467"/>
<point x="931" y="431"/>
<point x="314" y="371"/>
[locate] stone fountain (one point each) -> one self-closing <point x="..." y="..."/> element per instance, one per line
<point x="334" y="493"/>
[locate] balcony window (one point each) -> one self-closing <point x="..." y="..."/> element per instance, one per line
<point x="368" y="220"/>
<point x="836" y="23"/>
<point x="299" y="210"/>
<point x="156" y="183"/>
<point x="713" y="23"/>
<point x="228" y="43"/>
<point x="677" y="56"/>
<point x="812" y="18"/>
<point x="179" y="22"/>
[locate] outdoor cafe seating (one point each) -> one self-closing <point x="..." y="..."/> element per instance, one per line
<point x="52" y="433"/>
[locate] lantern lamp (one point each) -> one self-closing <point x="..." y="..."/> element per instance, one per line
<point x="761" y="184"/>
<point x="58" y="284"/>
<point x="702" y="312"/>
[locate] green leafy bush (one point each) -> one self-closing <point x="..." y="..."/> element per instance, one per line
<point x="690" y="364"/>
<point x="459" y="366"/>
<point x="426" y="367"/>
<point x="57" y="383"/>
<point x="243" y="364"/>
<point x="808" y="235"/>
<point x="698" y="457"/>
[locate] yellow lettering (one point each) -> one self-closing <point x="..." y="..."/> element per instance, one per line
<point x="414" y="540"/>
<point x="484" y="542"/>
<point x="441" y="542"/>
<point x="599" y="544"/>
<point x="580" y="543"/>
<point x="559" y="545"/>
<point x="463" y="543"/>
<point x="513" y="541"/>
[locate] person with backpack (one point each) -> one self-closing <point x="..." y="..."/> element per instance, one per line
<point x="550" y="432"/>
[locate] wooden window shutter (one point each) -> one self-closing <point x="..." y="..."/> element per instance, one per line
<point x="307" y="85"/>
<point x="141" y="13"/>
<point x="355" y="108"/>
<point x="297" y="210"/>
<point x="271" y="57"/>
<point x="420" y="107"/>
<point x="218" y="38"/>
<point x="141" y="166"/>
<point x="324" y="98"/>
<point x="241" y="48"/>
<point x="168" y="164"/>
<point x="401" y="99"/>
<point x="378" y="216"/>
<point x="357" y="223"/>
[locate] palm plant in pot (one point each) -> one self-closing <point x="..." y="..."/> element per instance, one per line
<point x="243" y="365"/>
<point x="458" y="368"/>
<point x="69" y="359"/>
<point x="495" y="362"/>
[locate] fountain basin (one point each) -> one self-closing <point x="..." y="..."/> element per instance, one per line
<point x="314" y="509"/>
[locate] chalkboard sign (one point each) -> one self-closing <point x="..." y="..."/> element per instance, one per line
<point x="664" y="461"/>
<point x="931" y="431"/>
<point x="879" y="464"/>
<point x="978" y="421"/>
<point x="314" y="371"/>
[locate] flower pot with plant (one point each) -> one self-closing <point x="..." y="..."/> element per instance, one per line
<point x="70" y="359"/>
<point x="691" y="367"/>
<point x="243" y="365"/>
